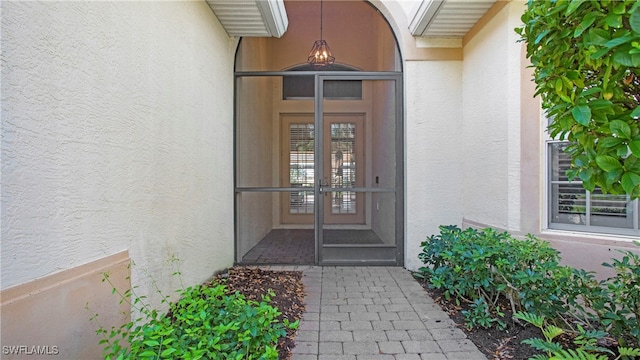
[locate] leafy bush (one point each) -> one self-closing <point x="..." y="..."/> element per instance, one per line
<point x="586" y="56"/>
<point x="585" y="343"/>
<point x="206" y="323"/>
<point x="471" y="264"/>
<point x="617" y="304"/>
<point x="480" y="315"/>
<point x="480" y="266"/>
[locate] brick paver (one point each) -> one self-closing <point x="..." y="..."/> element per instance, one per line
<point x="360" y="313"/>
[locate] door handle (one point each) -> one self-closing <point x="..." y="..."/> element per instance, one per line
<point x="322" y="185"/>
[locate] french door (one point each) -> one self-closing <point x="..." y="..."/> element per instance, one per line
<point x="339" y="167"/>
<point x="344" y="167"/>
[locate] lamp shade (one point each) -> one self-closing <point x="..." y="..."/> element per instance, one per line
<point x="320" y="54"/>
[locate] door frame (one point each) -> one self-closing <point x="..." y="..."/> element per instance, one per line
<point x="319" y="115"/>
<point x="319" y="78"/>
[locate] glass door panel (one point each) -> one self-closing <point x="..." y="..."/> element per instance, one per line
<point x="344" y="168"/>
<point x="298" y="168"/>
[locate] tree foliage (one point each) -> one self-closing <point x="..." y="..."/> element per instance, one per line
<point x="586" y="59"/>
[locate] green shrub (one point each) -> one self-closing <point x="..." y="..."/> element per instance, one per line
<point x="617" y="304"/>
<point x="479" y="266"/>
<point x="205" y="323"/>
<point x="585" y="343"/>
<point x="472" y="264"/>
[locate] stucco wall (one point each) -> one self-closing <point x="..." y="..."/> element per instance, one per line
<point x="116" y="135"/>
<point x="434" y="150"/>
<point x="491" y="129"/>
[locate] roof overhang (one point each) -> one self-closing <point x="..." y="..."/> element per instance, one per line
<point x="257" y="18"/>
<point x="447" y="18"/>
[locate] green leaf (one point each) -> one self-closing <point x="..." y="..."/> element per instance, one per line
<point x="628" y="351"/>
<point x="609" y="142"/>
<point x="619" y="7"/>
<point x="623" y="57"/>
<point x="634" y="146"/>
<point x="613" y="176"/>
<point x="607" y="163"/>
<point x="630" y="181"/>
<point x="582" y="114"/>
<point x="168" y="352"/>
<point x="581" y="161"/>
<point x="584" y="25"/>
<point x="613" y="20"/>
<point x="591" y="91"/>
<point x="573" y="6"/>
<point x="618" y="41"/>
<point x="634" y="20"/>
<point x="600" y="53"/>
<point x="622" y="151"/>
<point x="620" y="129"/>
<point x="552" y="331"/>
<point x="586" y="175"/>
<point x="542" y="35"/>
<point x="151" y="343"/>
<point x="558" y="86"/>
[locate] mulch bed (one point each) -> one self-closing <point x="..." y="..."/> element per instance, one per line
<point x="494" y="343"/>
<point x="287" y="287"/>
<point x="507" y="343"/>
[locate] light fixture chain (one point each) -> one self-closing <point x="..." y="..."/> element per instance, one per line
<point x="320" y="54"/>
<point x="321" y="20"/>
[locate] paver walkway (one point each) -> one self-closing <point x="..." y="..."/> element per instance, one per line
<point x="362" y="313"/>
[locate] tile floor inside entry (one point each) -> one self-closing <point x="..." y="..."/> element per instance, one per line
<point x="296" y="246"/>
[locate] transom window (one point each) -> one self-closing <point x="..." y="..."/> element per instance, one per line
<point x="571" y="207"/>
<point x="303" y="87"/>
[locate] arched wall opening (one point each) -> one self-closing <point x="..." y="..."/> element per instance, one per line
<point x="358" y="34"/>
<point x="319" y="151"/>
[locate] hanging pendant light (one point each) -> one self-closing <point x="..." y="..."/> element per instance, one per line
<point x="320" y="54"/>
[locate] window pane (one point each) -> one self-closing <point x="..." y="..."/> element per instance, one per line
<point x="302" y="87"/>
<point x="560" y="162"/>
<point x="301" y="168"/>
<point x="568" y="204"/>
<point x="343" y="167"/>
<point x="611" y="210"/>
<point x="571" y="207"/>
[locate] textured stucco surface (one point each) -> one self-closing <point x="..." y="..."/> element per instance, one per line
<point x="491" y="129"/>
<point x="434" y="153"/>
<point x="116" y="135"/>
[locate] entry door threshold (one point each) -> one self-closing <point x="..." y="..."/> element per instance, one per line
<point x="358" y="246"/>
<point x="360" y="263"/>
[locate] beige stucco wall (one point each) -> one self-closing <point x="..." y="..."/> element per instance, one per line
<point x="504" y="184"/>
<point x="491" y="122"/>
<point x="434" y="153"/>
<point x="116" y="136"/>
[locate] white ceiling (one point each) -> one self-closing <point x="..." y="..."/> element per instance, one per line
<point x="267" y="18"/>
<point x="447" y="18"/>
<point x="262" y="18"/>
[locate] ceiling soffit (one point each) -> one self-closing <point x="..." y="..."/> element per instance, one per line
<point x="447" y="18"/>
<point x="252" y="18"/>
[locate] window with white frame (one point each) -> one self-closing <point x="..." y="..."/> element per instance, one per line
<point x="571" y="207"/>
